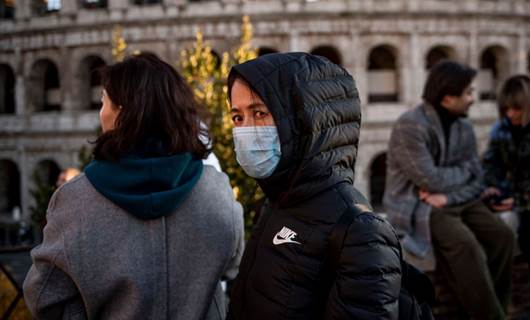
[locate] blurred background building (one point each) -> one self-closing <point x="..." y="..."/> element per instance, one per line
<point x="50" y="96"/>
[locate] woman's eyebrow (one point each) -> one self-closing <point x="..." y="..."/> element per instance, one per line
<point x="257" y="105"/>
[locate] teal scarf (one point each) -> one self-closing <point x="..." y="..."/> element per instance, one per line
<point x="148" y="188"/>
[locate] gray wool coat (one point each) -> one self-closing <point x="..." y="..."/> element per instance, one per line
<point x="419" y="158"/>
<point x="99" y="262"/>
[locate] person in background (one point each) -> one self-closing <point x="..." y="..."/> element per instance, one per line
<point x="507" y="159"/>
<point x="147" y="231"/>
<point x="296" y="128"/>
<point x="432" y="195"/>
<point x="66" y="175"/>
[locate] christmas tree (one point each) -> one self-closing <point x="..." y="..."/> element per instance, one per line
<point x="207" y="75"/>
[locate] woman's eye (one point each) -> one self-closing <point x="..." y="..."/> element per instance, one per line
<point x="261" y="114"/>
<point x="236" y="119"/>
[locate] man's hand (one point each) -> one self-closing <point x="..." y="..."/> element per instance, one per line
<point x="505" y="205"/>
<point x="437" y="200"/>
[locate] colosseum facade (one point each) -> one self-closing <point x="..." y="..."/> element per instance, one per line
<point x="49" y="98"/>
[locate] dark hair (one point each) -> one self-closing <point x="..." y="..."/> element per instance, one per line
<point x="234" y="76"/>
<point x="156" y="107"/>
<point x="515" y="93"/>
<point x="447" y="77"/>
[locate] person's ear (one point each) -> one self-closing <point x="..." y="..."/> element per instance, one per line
<point x="447" y="101"/>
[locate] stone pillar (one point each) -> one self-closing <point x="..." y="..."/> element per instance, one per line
<point x="359" y="69"/>
<point x="121" y="4"/>
<point x="173" y="3"/>
<point x="294" y="41"/>
<point x="20" y="101"/>
<point x="232" y="2"/>
<point x="20" y="89"/>
<point x="416" y="67"/>
<point x="293" y="5"/>
<point x="173" y="6"/>
<point x="22" y="9"/>
<point x="25" y="174"/>
<point x="66" y="80"/>
<point x="75" y="91"/>
<point x="360" y="74"/>
<point x="69" y="8"/>
<point x="361" y="164"/>
<point x="405" y="71"/>
<point x="117" y="9"/>
<point x="473" y="59"/>
<point x="522" y="60"/>
<point x="413" y="5"/>
<point x="173" y="50"/>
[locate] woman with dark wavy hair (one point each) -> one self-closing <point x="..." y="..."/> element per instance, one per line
<point x="148" y="231"/>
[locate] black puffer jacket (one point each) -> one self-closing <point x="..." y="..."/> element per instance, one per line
<point x="315" y="106"/>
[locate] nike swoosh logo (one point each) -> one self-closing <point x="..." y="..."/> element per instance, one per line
<point x="285" y="235"/>
<point x="277" y="240"/>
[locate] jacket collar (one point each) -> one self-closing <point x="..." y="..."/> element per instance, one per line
<point x="434" y="119"/>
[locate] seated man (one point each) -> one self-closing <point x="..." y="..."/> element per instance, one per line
<point x="433" y="189"/>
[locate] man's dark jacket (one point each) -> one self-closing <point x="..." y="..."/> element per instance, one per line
<point x="316" y="108"/>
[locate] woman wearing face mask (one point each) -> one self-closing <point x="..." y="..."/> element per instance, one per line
<point x="297" y="119"/>
<point x="506" y="160"/>
<point x="147" y="232"/>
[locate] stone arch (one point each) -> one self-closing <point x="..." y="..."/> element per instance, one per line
<point x="89" y="80"/>
<point x="494" y="68"/>
<point x="329" y="52"/>
<point x="9" y="186"/>
<point x="47" y="171"/>
<point x="7" y="90"/>
<point x="44" y="86"/>
<point x="383" y="74"/>
<point x="145" y="2"/>
<point x="438" y="53"/>
<point x="7" y="9"/>
<point x="94" y="4"/>
<point x="266" y="50"/>
<point x="377" y="181"/>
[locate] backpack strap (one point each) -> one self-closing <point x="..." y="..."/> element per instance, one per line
<point x="331" y="262"/>
<point x="338" y="234"/>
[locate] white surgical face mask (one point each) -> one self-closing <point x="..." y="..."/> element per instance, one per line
<point x="257" y="150"/>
